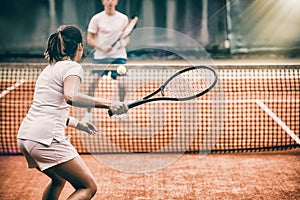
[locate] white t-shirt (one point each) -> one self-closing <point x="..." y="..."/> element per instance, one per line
<point x="47" y="116"/>
<point x="107" y="29"/>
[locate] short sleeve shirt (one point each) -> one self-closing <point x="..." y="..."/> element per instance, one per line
<point x="46" y="118"/>
<point x="107" y="29"/>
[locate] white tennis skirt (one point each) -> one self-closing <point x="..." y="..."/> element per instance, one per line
<point x="43" y="156"/>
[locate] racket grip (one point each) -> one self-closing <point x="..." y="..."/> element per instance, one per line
<point x="132" y="105"/>
<point x="114" y="44"/>
<point x="110" y="113"/>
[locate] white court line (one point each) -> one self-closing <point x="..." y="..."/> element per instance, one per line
<point x="14" y="86"/>
<point x="279" y="121"/>
<point x="251" y="101"/>
<point x="239" y="101"/>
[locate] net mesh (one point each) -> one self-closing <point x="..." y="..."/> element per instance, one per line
<point x="257" y="108"/>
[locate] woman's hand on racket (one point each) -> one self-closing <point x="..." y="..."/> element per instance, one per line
<point x="118" y="108"/>
<point x="87" y="127"/>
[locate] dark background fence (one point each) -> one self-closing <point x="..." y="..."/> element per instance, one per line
<point x="222" y="27"/>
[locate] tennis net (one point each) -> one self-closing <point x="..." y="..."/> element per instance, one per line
<point x="252" y="108"/>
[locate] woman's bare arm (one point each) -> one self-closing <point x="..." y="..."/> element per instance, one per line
<point x="75" y="98"/>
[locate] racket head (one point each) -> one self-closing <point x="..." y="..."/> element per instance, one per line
<point x="186" y="84"/>
<point x="129" y="28"/>
<point x="189" y="83"/>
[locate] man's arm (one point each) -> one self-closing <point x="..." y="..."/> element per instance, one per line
<point x="91" y="41"/>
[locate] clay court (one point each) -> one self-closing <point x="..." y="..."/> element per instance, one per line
<point x="217" y="176"/>
<point x="256" y="160"/>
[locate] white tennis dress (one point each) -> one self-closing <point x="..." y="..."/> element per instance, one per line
<point x="46" y="118"/>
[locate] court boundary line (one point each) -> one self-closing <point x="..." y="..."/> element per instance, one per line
<point x="247" y="101"/>
<point x="278" y="120"/>
<point x="11" y="88"/>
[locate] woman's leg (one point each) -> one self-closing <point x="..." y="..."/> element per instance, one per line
<point x="54" y="187"/>
<point x="78" y="175"/>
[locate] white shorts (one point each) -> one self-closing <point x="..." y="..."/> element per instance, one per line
<point x="43" y="156"/>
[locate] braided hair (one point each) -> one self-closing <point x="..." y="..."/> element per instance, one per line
<point x="63" y="43"/>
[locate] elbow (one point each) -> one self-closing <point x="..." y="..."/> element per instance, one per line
<point x="90" y="40"/>
<point x="70" y="102"/>
<point x="70" y="98"/>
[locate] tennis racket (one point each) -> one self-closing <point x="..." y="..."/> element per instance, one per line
<point x="127" y="31"/>
<point x="186" y="84"/>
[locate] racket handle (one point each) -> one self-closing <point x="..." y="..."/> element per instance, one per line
<point x="137" y="103"/>
<point x="114" y="44"/>
<point x="110" y="113"/>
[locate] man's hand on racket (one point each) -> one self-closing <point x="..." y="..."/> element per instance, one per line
<point x="104" y="48"/>
<point x="118" y="108"/>
<point x="87" y="127"/>
<point x="122" y="43"/>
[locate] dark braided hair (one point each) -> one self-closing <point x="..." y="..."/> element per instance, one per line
<point x="63" y="43"/>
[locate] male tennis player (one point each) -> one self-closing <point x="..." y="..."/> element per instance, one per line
<point x="41" y="136"/>
<point x="103" y="30"/>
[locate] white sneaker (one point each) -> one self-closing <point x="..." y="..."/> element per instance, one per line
<point x="87" y="117"/>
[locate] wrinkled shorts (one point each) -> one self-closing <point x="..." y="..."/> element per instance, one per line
<point x="43" y="156"/>
<point x="114" y="73"/>
<point x="109" y="61"/>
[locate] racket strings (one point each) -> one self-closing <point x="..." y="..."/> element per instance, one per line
<point x="189" y="83"/>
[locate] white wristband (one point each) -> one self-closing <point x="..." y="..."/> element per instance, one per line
<point x="73" y="122"/>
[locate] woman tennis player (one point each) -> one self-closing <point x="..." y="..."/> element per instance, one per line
<point x="41" y="136"/>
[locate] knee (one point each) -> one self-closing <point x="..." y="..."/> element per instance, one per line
<point x="90" y="189"/>
<point x="93" y="188"/>
<point x="58" y="182"/>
